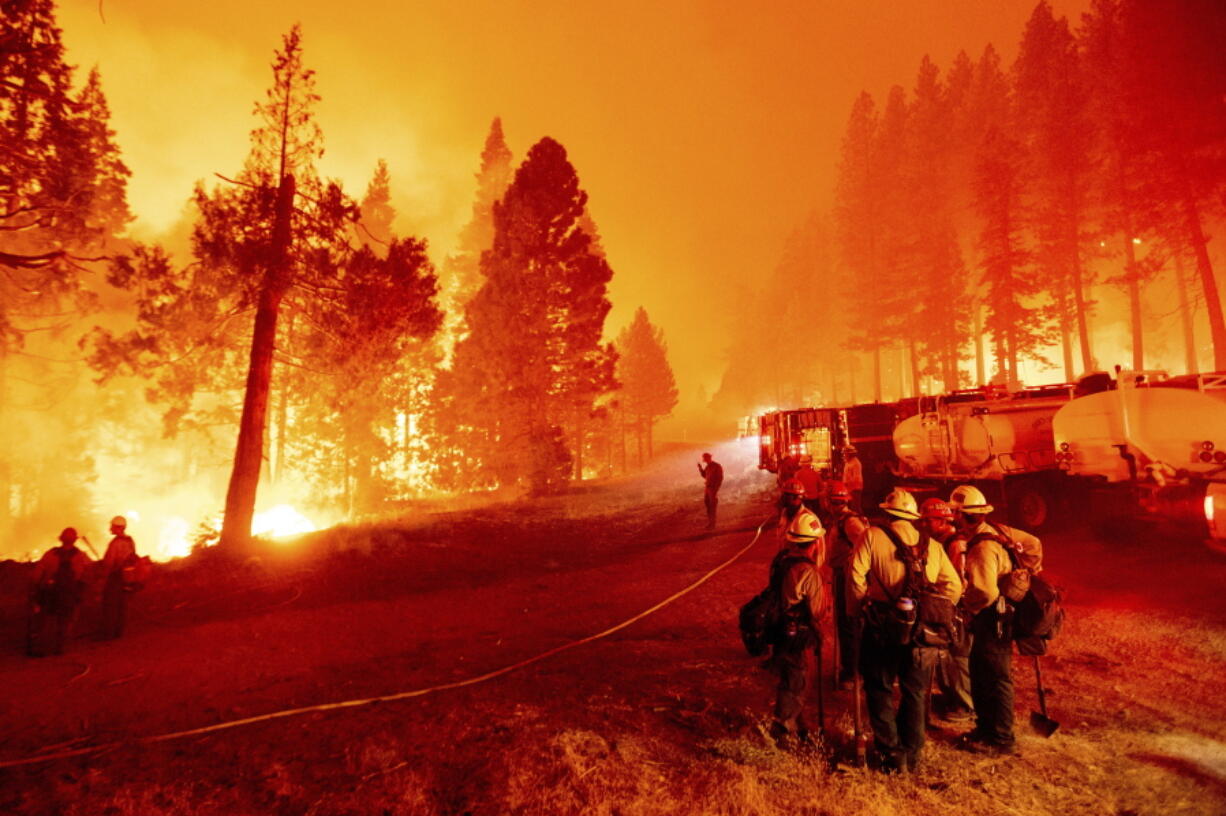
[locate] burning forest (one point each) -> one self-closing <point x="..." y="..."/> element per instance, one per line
<point x="384" y="344"/>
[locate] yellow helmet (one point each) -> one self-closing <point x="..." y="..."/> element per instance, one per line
<point x="969" y="499"/>
<point x="901" y="503"/>
<point x="805" y="528"/>
<point x="119" y="521"/>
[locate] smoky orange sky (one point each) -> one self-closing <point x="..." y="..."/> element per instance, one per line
<point x="703" y="131"/>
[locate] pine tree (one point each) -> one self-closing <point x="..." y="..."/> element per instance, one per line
<point x="462" y="269"/>
<point x="1158" y="78"/>
<point x="895" y="307"/>
<point x="939" y="327"/>
<point x="532" y="363"/>
<point x="62" y="182"/>
<point x="858" y="218"/>
<point x="648" y="389"/>
<point x="62" y="204"/>
<point x="365" y="342"/>
<point x="803" y="290"/>
<point x="1054" y="127"/>
<point x="374" y="229"/>
<point x="1009" y="283"/>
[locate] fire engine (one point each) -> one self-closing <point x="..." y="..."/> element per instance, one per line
<point x="1138" y="447"/>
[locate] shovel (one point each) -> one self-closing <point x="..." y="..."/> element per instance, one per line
<point x="1039" y="720"/>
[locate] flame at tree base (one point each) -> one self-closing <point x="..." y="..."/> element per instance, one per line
<point x="281" y="521"/>
<point x="175" y="538"/>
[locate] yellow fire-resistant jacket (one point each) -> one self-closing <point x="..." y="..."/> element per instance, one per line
<point x="840" y="548"/>
<point x="987" y="561"/>
<point x="118" y="553"/>
<point x="877" y="574"/>
<point x="803" y="584"/>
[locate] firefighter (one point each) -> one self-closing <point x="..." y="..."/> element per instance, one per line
<point x="953" y="677"/>
<point x="991" y="656"/>
<point x="794" y="571"/>
<point x="812" y="481"/>
<point x="853" y="477"/>
<point x="56" y="591"/>
<point x="885" y="592"/>
<point x="791" y="501"/>
<point x="712" y="474"/>
<point x="120" y="555"/>
<point x="847" y="528"/>
<point x="788" y="467"/>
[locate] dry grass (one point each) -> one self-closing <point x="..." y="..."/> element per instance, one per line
<point x="667" y="718"/>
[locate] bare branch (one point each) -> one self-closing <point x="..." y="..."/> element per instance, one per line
<point x="246" y="184"/>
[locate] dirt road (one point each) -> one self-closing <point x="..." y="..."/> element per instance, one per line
<point x="663" y="716"/>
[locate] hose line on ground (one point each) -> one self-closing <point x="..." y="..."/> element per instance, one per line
<point x="403" y="695"/>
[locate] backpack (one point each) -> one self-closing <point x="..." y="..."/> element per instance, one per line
<point x="136" y="572"/>
<point x="843" y="545"/>
<point x="762" y="618"/>
<point x="1035" y="614"/>
<point x="937" y="624"/>
<point x="63" y="592"/>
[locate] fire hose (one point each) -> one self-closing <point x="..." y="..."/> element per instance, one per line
<point x="386" y="698"/>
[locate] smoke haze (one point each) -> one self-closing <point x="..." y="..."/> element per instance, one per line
<point x="704" y="132"/>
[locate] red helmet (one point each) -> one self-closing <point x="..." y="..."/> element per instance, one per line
<point x="793" y="486"/>
<point x="935" y="508"/>
<point x="836" y="490"/>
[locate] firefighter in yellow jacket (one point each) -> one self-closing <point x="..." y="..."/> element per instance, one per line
<point x="802" y="593"/>
<point x="120" y="555"/>
<point x="889" y="568"/>
<point x="991" y="656"/>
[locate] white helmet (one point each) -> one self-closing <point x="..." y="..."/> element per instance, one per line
<point x="969" y="499"/>
<point x="901" y="503"/>
<point x="805" y="528"/>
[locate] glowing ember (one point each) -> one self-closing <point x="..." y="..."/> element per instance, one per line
<point x="279" y="521"/>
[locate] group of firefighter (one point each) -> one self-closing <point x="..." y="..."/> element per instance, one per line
<point x="878" y="572"/>
<point x="61" y="582"/>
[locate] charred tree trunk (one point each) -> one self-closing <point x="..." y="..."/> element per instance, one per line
<point x="1191" y="363"/>
<point x="1132" y="275"/>
<point x="651" y="427"/>
<point x="249" y="455"/>
<point x="621" y="432"/>
<point x="980" y="356"/>
<point x="580" y="433"/>
<point x="1066" y="345"/>
<point x="1213" y="301"/>
<point x="1083" y="318"/>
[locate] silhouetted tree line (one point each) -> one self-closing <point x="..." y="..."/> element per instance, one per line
<point x="983" y="204"/>
<point x="301" y="318"/>
<point x="977" y="216"/>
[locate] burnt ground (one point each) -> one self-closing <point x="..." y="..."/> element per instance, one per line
<point x="663" y="716"/>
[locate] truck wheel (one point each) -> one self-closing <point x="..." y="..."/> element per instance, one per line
<point x="1030" y="507"/>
